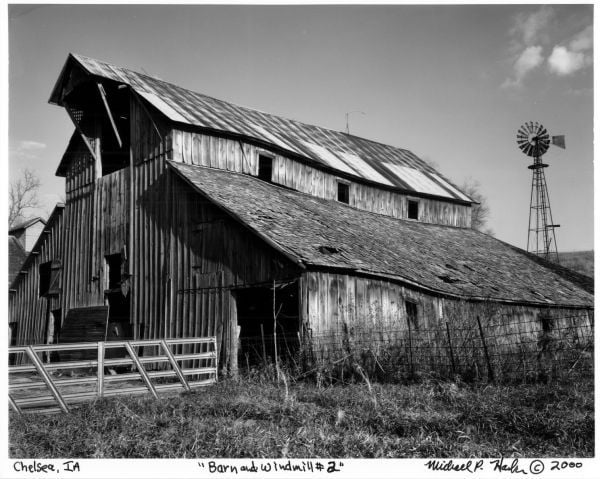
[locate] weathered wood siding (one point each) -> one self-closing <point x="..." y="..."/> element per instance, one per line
<point x="234" y="155"/>
<point x="26" y="308"/>
<point x="187" y="255"/>
<point x="183" y="280"/>
<point x="96" y="225"/>
<point x="335" y="303"/>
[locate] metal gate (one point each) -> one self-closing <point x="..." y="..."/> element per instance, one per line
<point x="41" y="381"/>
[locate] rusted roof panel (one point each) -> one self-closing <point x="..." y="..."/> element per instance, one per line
<point x="347" y="153"/>
<point x="459" y="262"/>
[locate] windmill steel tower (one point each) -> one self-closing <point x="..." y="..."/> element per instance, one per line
<point x="534" y="141"/>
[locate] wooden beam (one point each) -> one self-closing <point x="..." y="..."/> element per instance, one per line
<point x="141" y="103"/>
<point x="110" y="117"/>
<point x="80" y="131"/>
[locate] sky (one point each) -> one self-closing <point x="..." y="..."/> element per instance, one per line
<point x="450" y="83"/>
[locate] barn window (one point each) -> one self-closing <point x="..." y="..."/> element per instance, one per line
<point x="45" y="272"/>
<point x="265" y="168"/>
<point x="343" y="192"/>
<point x="547" y="322"/>
<point x="413" y="209"/>
<point x="412" y="315"/>
<point x="113" y="264"/>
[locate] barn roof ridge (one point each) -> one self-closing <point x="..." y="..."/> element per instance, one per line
<point x="448" y="261"/>
<point x="367" y="159"/>
<point x="245" y="107"/>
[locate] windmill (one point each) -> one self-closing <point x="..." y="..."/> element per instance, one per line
<point x="533" y="140"/>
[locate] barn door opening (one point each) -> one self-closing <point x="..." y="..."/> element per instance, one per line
<point x="118" y="299"/>
<point x="256" y="325"/>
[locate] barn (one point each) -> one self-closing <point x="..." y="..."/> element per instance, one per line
<point x="190" y="216"/>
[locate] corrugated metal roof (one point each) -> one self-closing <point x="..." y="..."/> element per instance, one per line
<point x="346" y="153"/>
<point x="459" y="262"/>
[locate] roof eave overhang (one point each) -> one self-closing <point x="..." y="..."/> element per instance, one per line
<point x="446" y="294"/>
<point x="55" y="95"/>
<point x="305" y="265"/>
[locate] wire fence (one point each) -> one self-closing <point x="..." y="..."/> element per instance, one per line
<point x="500" y="350"/>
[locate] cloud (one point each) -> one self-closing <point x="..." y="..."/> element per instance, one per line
<point x="564" y="62"/>
<point x="531" y="35"/>
<point x="31" y="145"/>
<point x="27" y="149"/>
<point x="567" y="60"/>
<point x="530" y="26"/>
<point x="583" y="40"/>
<point x="529" y="59"/>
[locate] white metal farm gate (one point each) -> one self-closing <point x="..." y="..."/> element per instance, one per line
<point x="41" y="381"/>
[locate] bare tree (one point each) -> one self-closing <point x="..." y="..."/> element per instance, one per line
<point x="479" y="213"/>
<point x="22" y="196"/>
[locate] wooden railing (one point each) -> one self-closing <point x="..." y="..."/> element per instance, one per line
<point x="39" y="381"/>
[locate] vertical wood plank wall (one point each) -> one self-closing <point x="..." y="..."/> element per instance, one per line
<point x="187" y="255"/>
<point x="26" y="307"/>
<point x="96" y="225"/>
<point x="337" y="302"/>
<point x="205" y="150"/>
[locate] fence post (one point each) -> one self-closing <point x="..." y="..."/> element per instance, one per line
<point x="450" y="349"/>
<point x="264" y="348"/>
<point x="100" y="369"/>
<point x="485" y="352"/>
<point x="275" y="332"/>
<point x="412" y="368"/>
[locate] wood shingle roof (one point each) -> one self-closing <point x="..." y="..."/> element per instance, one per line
<point x="450" y="261"/>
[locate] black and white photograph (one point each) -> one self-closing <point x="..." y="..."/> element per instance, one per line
<point x="297" y="240"/>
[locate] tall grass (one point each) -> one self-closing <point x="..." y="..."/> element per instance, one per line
<point x="255" y="417"/>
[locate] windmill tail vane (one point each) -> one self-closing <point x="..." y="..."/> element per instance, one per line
<point x="559" y="141"/>
<point x="533" y="140"/>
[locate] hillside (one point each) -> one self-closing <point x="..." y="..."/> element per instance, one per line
<point x="580" y="261"/>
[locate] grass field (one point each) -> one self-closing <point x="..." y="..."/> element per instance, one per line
<point x="255" y="418"/>
<point x="580" y="261"/>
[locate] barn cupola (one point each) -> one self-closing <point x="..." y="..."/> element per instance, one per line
<point x="99" y="109"/>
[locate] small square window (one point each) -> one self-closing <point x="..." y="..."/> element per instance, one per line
<point x="412" y="315"/>
<point x="265" y="168"/>
<point x="413" y="209"/>
<point x="343" y="193"/>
